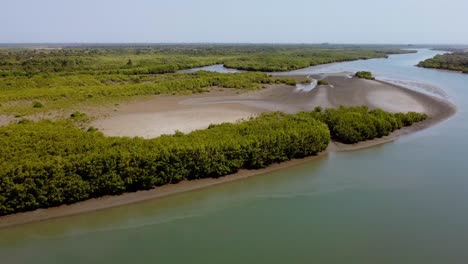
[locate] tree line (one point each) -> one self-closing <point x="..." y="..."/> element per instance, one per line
<point x="457" y="61"/>
<point x="50" y="163"/>
<point x="160" y="60"/>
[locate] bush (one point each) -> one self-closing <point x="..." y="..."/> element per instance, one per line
<point x="24" y="121"/>
<point x="79" y="117"/>
<point x="354" y="124"/>
<point x="364" y="75"/>
<point x="322" y="82"/>
<point x="37" y="104"/>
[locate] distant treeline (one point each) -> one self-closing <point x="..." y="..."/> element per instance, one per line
<point x="158" y="60"/>
<point x="46" y="163"/>
<point x="64" y="77"/>
<point x="454" y="62"/>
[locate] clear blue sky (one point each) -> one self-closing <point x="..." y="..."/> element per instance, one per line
<point x="298" y="21"/>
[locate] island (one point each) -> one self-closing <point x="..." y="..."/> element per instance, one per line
<point x="80" y="124"/>
<point x="457" y="61"/>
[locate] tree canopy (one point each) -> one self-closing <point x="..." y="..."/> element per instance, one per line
<point x="50" y="163"/>
<point x="457" y="61"/>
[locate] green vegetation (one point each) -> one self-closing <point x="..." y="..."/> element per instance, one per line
<point x="287" y="60"/>
<point x="355" y="124"/>
<point x="50" y="163"/>
<point x="322" y="82"/>
<point x="453" y="62"/>
<point x="57" y="91"/>
<point x="61" y="78"/>
<point x="171" y="58"/>
<point x="80" y="119"/>
<point x="364" y="75"/>
<point x="37" y="104"/>
<point x="44" y="164"/>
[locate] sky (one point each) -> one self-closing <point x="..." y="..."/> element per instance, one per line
<point x="236" y="21"/>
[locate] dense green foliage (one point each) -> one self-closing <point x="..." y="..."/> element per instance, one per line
<point x="364" y="75"/>
<point x="169" y="59"/>
<point x="51" y="163"/>
<point x="355" y="124"/>
<point x="47" y="163"/>
<point x="454" y="62"/>
<point x="44" y="164"/>
<point x="287" y="60"/>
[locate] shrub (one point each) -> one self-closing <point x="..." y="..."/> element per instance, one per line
<point x="79" y="117"/>
<point x="322" y="82"/>
<point x="364" y="75"/>
<point x="353" y="124"/>
<point x="37" y="104"/>
<point x="24" y="121"/>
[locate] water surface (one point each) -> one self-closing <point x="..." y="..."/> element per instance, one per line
<point x="403" y="202"/>
<point x="212" y="68"/>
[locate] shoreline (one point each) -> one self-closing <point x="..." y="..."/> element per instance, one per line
<point x="106" y="202"/>
<point x="437" y="109"/>
<point x="442" y="70"/>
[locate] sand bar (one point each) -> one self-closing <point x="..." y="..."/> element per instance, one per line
<point x="165" y="114"/>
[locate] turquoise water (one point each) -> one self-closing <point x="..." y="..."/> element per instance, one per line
<point x="403" y="202"/>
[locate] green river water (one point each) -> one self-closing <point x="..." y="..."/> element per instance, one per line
<point x="402" y="202"/>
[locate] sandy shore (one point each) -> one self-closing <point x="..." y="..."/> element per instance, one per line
<point x="166" y="114"/>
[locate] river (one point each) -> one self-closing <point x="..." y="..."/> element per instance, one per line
<point x="402" y="202"/>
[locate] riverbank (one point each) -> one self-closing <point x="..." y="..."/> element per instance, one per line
<point x="342" y="91"/>
<point x="167" y="114"/>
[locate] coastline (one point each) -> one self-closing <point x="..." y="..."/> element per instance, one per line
<point x="437" y="109"/>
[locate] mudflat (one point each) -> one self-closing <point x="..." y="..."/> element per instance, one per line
<point x="166" y="114"/>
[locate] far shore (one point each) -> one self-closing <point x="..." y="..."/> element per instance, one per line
<point x="166" y="114"/>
